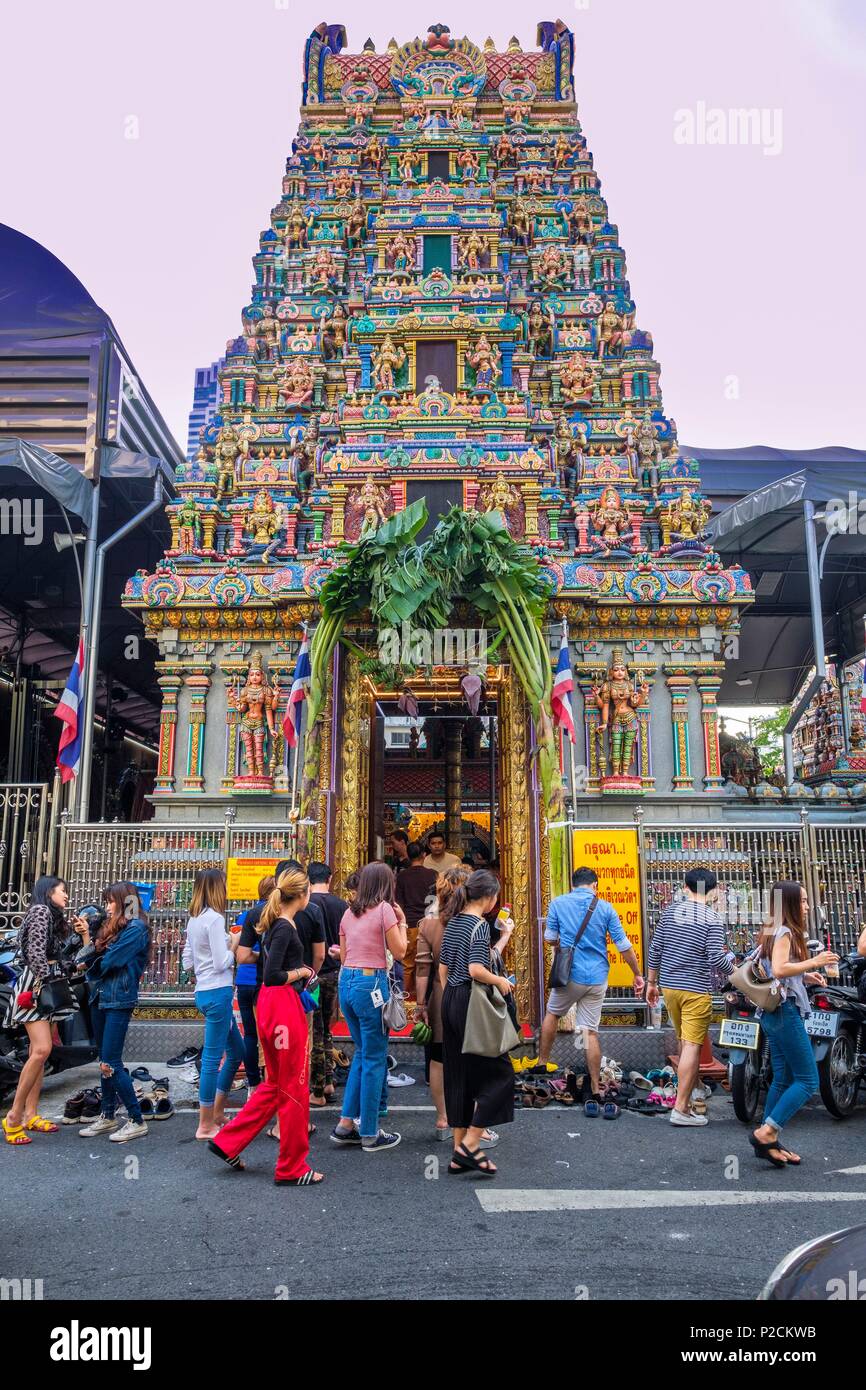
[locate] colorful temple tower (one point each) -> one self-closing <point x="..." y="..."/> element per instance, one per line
<point x="440" y="310"/>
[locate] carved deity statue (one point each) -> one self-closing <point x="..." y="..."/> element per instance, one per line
<point x="472" y="250"/>
<point x="561" y="151"/>
<point x="226" y="451"/>
<point x="373" y="501"/>
<point x="267" y="332"/>
<point x="297" y="227"/>
<point x="323" y="271"/>
<point x="356" y="224"/>
<point x="577" y="378"/>
<point x="610" y="518"/>
<point x="373" y="153"/>
<point x="335" y="333"/>
<point x="505" y="151"/>
<point x="646" y="452"/>
<point x="553" y="266"/>
<point x="467" y="163"/>
<point x="498" y="496"/>
<point x="256" y="703"/>
<point x="520" y="222"/>
<point x="684" y="517"/>
<point x="485" y="358"/>
<point x="539" y="330"/>
<point x="263" y="520"/>
<point x="297" y="382"/>
<point x="344" y="183"/>
<point x="387" y="361"/>
<point x="400" y="252"/>
<point x="569" y="452"/>
<point x="618" y="700"/>
<point x="188" y="523"/>
<point x="318" y="154"/>
<point x="303" y="456"/>
<point x="407" y="163"/>
<point x="611" y="328"/>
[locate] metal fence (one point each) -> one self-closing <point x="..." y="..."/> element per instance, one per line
<point x="747" y="858"/>
<point x="166" y="860"/>
<point x="25" y="824"/>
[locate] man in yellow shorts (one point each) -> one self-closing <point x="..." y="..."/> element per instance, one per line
<point x="688" y="943"/>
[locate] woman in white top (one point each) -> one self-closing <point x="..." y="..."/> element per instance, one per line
<point x="209" y="953"/>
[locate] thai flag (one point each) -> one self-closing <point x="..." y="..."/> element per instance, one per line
<point x="560" y="697"/>
<point x="69" y="751"/>
<point x="297" y="694"/>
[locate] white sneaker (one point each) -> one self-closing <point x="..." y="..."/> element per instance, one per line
<point x="101" y="1125"/>
<point x="400" y="1079"/>
<point x="677" y="1118"/>
<point x="130" y="1130"/>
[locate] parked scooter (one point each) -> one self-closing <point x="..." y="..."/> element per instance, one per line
<point x="74" y="1048"/>
<point x="837" y="1027"/>
<point x="750" y="1070"/>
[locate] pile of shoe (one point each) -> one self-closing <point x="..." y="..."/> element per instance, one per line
<point x="83" y="1107"/>
<point x="659" y="1088"/>
<point x="152" y="1093"/>
<point x="188" y="1064"/>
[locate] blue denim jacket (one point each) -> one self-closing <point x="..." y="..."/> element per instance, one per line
<point x="113" y="977"/>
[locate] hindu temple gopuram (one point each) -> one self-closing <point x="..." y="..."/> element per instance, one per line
<point x="440" y="311"/>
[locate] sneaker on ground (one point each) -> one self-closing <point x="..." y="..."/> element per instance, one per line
<point x="189" y="1054"/>
<point x="383" y="1140"/>
<point x="130" y="1130"/>
<point x="100" y="1126"/>
<point x="400" y="1079"/>
<point x="73" y="1108"/>
<point x="678" y="1117"/>
<point x="344" y="1138"/>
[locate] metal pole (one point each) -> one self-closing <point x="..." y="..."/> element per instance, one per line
<point x="814" y="588"/>
<point x="91" y="661"/>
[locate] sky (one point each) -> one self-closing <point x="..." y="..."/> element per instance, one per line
<point x="146" y="151"/>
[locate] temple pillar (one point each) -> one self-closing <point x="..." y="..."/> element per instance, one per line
<point x="679" y="686"/>
<point x="709" y="689"/>
<point x="198" y="683"/>
<point x="165" y="779"/>
<point x="644" y="740"/>
<point x="596" y="761"/>
<point x="453" y="775"/>
<point x="232" y="721"/>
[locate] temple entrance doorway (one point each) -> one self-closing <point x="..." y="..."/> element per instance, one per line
<point x="419" y="759"/>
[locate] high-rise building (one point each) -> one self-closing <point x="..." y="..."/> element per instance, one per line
<point x="204" y="400"/>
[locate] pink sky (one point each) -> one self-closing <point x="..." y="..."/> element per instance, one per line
<point x="746" y="267"/>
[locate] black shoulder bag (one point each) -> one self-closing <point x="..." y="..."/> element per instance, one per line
<point x="560" y="970"/>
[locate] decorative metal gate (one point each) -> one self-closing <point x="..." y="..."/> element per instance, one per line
<point x="838" y="862"/>
<point x="24" y="837"/>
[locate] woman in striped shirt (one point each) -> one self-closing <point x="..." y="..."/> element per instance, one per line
<point x="479" y="1091"/>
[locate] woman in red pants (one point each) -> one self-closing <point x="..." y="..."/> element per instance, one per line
<point x="284" y="1036"/>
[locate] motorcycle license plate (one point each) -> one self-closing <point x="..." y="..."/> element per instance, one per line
<point x="822" y="1023"/>
<point x="740" y="1032"/>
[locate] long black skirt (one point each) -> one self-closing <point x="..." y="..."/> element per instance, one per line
<point x="478" y="1090"/>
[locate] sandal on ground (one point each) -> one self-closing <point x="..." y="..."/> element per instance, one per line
<point x="465" y="1160"/>
<point x="611" y="1111"/>
<point x="232" y="1162"/>
<point x="162" y="1106"/>
<point x="592" y="1109"/>
<point x="15" y="1133"/>
<point x="42" y="1126"/>
<point x="792" y="1160"/>
<point x="308" y="1179"/>
<point x="766" y="1151"/>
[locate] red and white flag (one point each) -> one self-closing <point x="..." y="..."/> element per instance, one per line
<point x="297" y="694"/>
<point x="563" y="684"/>
<point x="68" y="706"/>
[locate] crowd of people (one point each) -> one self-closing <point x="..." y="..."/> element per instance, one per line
<point x="421" y="927"/>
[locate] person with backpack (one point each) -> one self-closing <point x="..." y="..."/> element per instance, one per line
<point x="581" y="923"/>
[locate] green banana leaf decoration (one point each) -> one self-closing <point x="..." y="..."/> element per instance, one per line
<point x="471" y="556"/>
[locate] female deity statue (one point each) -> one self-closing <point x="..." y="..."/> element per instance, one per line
<point x="296" y="387"/>
<point x="406" y="165"/>
<point x="561" y="151"/>
<point x="579" y="221"/>
<point x="400" y="252"/>
<point x="611" y="327"/>
<point x="505" y="151"/>
<point x="467" y="162"/>
<point x="618" y="699"/>
<point x="256" y="703"/>
<point x="322" y="273"/>
<point x="539" y="330"/>
<point x="356" y="224"/>
<point x="264" y="519"/>
<point x="610" y="518"/>
<point x="188" y="521"/>
<point x="684" y="518"/>
<point x="373" y="153"/>
<point x="520" y="222"/>
<point x="373" y="502"/>
<point x="335" y="333"/>
<point x="472" y="250"/>
<point x="387" y="361"/>
<point x="577" y="379"/>
<point x="297" y="227"/>
<point x="344" y="182"/>
<point x="485" y="358"/>
<point x="553" y="266"/>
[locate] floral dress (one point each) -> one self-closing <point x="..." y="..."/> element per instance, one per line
<point x="40" y="941"/>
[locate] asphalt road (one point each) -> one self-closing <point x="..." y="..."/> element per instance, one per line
<point x="162" y="1218"/>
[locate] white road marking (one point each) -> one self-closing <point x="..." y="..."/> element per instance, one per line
<point x="861" y="1169"/>
<point x="590" y="1199"/>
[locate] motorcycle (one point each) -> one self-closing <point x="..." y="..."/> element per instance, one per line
<point x="74" y="1046"/>
<point x="837" y="1027"/>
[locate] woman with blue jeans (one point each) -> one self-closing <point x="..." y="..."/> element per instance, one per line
<point x="116" y="962"/>
<point x="784" y="953"/>
<point x="210" y="954"/>
<point x="370" y="927"/>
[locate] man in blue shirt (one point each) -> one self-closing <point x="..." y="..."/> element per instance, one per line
<point x="589" y="968"/>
